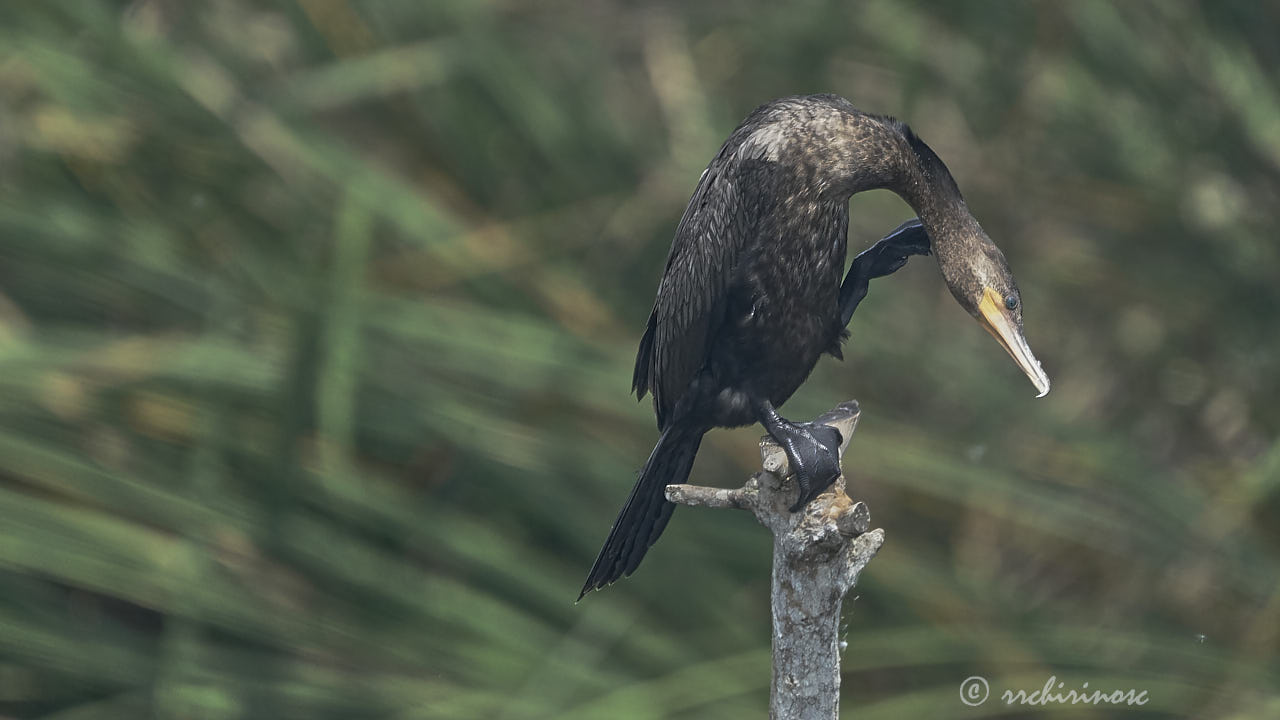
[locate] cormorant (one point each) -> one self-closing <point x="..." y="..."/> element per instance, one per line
<point x="751" y="295"/>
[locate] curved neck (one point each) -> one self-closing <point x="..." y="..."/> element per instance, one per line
<point x="827" y="148"/>
<point x="884" y="153"/>
<point x="934" y="195"/>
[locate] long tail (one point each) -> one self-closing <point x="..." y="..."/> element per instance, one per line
<point x="647" y="511"/>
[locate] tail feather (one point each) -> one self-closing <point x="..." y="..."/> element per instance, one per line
<point x="646" y="512"/>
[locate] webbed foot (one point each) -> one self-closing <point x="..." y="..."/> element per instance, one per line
<point x="814" y="452"/>
<point x="812" y="449"/>
<point x="891" y="252"/>
<point x="883" y="258"/>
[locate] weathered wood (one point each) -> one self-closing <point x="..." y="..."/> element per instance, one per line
<point x="818" y="554"/>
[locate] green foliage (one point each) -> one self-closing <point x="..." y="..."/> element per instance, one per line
<point x="316" y="323"/>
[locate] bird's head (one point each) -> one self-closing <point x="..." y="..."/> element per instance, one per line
<point x="979" y="278"/>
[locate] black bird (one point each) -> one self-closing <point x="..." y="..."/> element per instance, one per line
<point x="752" y="295"/>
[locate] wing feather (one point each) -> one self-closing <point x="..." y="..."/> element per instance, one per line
<point x="691" y="298"/>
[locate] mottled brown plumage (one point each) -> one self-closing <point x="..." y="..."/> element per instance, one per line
<point x="751" y="294"/>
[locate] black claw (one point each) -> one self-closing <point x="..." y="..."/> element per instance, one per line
<point x="814" y="451"/>
<point x="885" y="257"/>
<point x="910" y="237"/>
<point x="892" y="252"/>
<point x="910" y="243"/>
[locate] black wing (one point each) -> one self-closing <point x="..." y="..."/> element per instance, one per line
<point x="691" y="297"/>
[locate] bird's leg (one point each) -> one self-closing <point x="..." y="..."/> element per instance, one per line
<point x="814" y="451"/>
<point x="886" y="256"/>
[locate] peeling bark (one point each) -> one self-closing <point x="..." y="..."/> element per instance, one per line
<point x="817" y="556"/>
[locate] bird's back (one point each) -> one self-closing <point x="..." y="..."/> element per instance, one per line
<point x="749" y="293"/>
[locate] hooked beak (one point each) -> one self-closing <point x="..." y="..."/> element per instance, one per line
<point x="998" y="322"/>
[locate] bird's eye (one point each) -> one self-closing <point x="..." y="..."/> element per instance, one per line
<point x="1011" y="302"/>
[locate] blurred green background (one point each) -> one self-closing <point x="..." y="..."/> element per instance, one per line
<point x="317" y="321"/>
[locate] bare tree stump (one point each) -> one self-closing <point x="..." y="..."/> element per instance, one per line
<point x="817" y="556"/>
